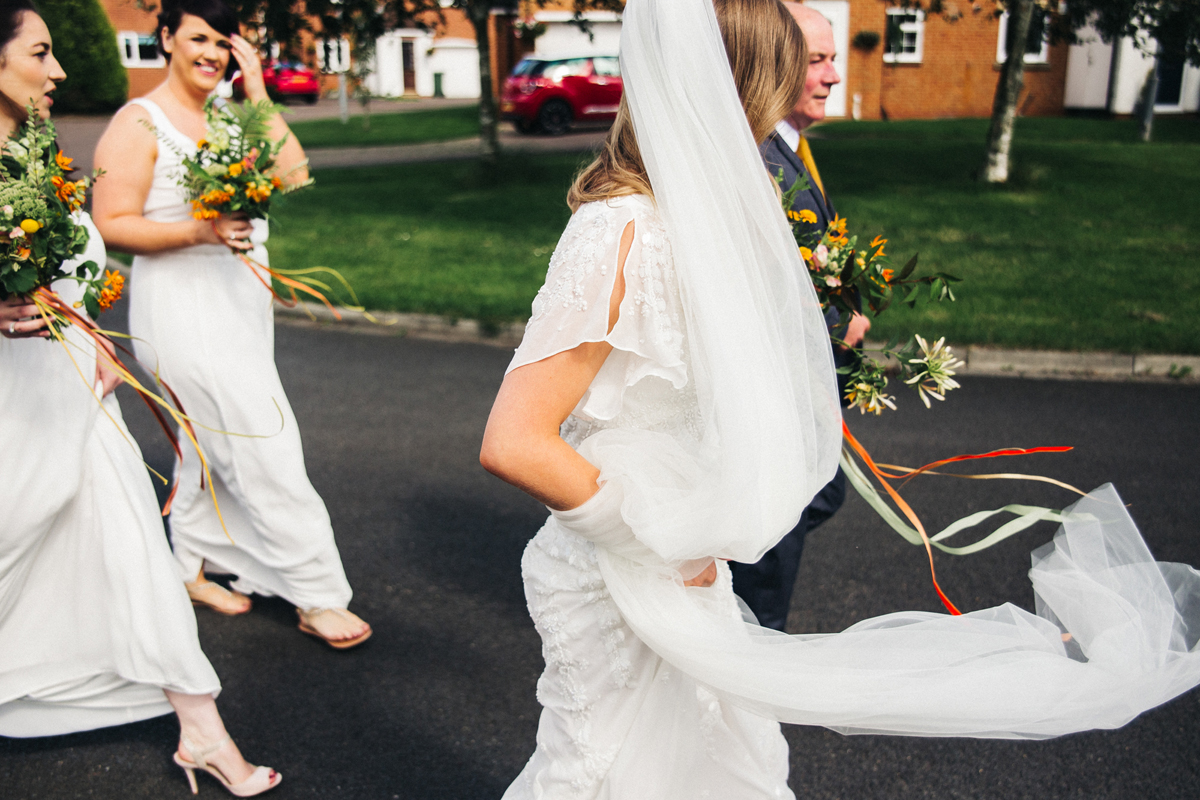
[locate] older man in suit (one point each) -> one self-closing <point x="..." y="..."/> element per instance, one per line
<point x="766" y="586"/>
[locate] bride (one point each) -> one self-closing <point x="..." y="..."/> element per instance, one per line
<point x="205" y="319"/>
<point x="673" y="389"/>
<point x="94" y="626"/>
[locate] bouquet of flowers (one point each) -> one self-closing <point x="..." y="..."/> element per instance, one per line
<point x="847" y="276"/>
<point x="39" y="225"/>
<point x="235" y="171"/>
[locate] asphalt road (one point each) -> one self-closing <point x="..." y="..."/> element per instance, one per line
<point x="440" y="703"/>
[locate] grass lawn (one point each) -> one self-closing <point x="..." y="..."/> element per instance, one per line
<point x="1094" y="244"/>
<point x="405" y="127"/>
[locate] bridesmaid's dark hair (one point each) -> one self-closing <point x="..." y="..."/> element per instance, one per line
<point x="12" y="17"/>
<point x="219" y="16"/>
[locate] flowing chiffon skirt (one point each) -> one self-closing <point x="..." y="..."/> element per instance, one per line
<point x="206" y="321"/>
<point x="94" y="620"/>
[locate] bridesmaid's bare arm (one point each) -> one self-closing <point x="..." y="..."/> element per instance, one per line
<point x="127" y="152"/>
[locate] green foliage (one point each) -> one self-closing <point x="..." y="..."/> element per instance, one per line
<point x="38" y="229"/>
<point x="1091" y="246"/>
<point x="86" y="46"/>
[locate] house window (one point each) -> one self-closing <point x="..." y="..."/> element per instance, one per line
<point x="1037" y="45"/>
<point x="905" y="36"/>
<point x="333" y="55"/>
<point x="139" y="50"/>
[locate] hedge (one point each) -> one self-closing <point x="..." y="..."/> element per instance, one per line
<point x="85" y="43"/>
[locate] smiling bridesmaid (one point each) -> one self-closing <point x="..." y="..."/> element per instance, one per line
<point x="205" y="319"/>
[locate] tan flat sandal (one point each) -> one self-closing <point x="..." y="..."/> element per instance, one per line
<point x="307" y="616"/>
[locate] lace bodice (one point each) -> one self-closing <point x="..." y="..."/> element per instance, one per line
<point x="644" y="382"/>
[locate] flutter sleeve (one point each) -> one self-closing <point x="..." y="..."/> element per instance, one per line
<point x="572" y="307"/>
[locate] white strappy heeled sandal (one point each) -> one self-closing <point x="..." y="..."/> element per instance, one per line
<point x="261" y="780"/>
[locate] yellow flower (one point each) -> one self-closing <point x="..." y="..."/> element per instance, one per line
<point x="31" y="225"/>
<point x="806" y="254"/>
<point x="235" y="169"/>
<point x="203" y="143"/>
<point x="806" y="215"/>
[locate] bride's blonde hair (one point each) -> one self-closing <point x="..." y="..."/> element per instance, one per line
<point x="769" y="59"/>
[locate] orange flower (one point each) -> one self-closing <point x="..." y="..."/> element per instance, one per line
<point x="114" y="283"/>
<point x="278" y="184"/>
<point x="806" y="215"/>
<point x="887" y="275"/>
<point x="235" y="169"/>
<point x="879" y="242"/>
<point x="63" y="162"/>
<point x="258" y="192"/>
<point x="216" y="197"/>
<point x="838" y="225"/>
<point x="201" y="212"/>
<point x="23" y="253"/>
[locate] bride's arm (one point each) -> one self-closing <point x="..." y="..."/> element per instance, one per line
<point x="521" y="444"/>
<point x="126" y="152"/>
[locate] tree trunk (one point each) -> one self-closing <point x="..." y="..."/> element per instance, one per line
<point x="480" y="11"/>
<point x="1148" y="99"/>
<point x="1008" y="91"/>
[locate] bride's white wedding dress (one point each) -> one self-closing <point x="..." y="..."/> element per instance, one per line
<point x="94" y="621"/>
<point x="655" y="690"/>
<point x="618" y="721"/>
<point x="202" y="317"/>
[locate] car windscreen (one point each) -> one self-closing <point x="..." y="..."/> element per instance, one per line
<point x="528" y="68"/>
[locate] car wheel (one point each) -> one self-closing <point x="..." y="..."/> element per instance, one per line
<point x="311" y="99"/>
<point x="525" y="125"/>
<point x="554" y="117"/>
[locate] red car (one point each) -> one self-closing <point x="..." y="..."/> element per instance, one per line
<point x="550" y="94"/>
<point x="286" y="79"/>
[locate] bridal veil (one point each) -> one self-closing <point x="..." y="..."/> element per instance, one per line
<point x="763" y="373"/>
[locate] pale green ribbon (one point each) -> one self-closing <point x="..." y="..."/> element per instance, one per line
<point x="1027" y="516"/>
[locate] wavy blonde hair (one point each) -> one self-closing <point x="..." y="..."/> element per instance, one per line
<point x="769" y="60"/>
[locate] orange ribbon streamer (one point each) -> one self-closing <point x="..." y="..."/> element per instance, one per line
<point x="906" y="509"/>
<point x="51" y="304"/>
<point x="908" y="474"/>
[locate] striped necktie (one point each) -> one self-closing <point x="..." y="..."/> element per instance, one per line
<point x="806" y="156"/>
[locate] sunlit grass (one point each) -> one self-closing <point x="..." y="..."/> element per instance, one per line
<point x="1094" y="244"/>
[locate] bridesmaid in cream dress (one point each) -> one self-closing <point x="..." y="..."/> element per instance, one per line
<point x="205" y="319"/>
<point x="95" y="629"/>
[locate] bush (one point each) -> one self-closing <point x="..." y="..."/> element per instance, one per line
<point x="86" y="46"/>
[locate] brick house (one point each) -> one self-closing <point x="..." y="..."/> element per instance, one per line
<point x="895" y="63"/>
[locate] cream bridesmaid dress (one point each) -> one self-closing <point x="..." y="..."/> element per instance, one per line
<point x="94" y="621"/>
<point x="206" y="321"/>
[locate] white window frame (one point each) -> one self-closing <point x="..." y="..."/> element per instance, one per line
<point x="916" y="27"/>
<point x="1040" y="57"/>
<point x="343" y="53"/>
<point x="129" y="42"/>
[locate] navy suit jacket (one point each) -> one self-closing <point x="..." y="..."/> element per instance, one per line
<point x="776" y="155"/>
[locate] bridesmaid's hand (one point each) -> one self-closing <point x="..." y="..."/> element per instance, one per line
<point x="252" y="78"/>
<point x="231" y="231"/>
<point x="106" y="376"/>
<point x="706" y="578"/>
<point x="20" y="319"/>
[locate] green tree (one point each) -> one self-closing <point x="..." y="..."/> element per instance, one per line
<point x="86" y="46"/>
